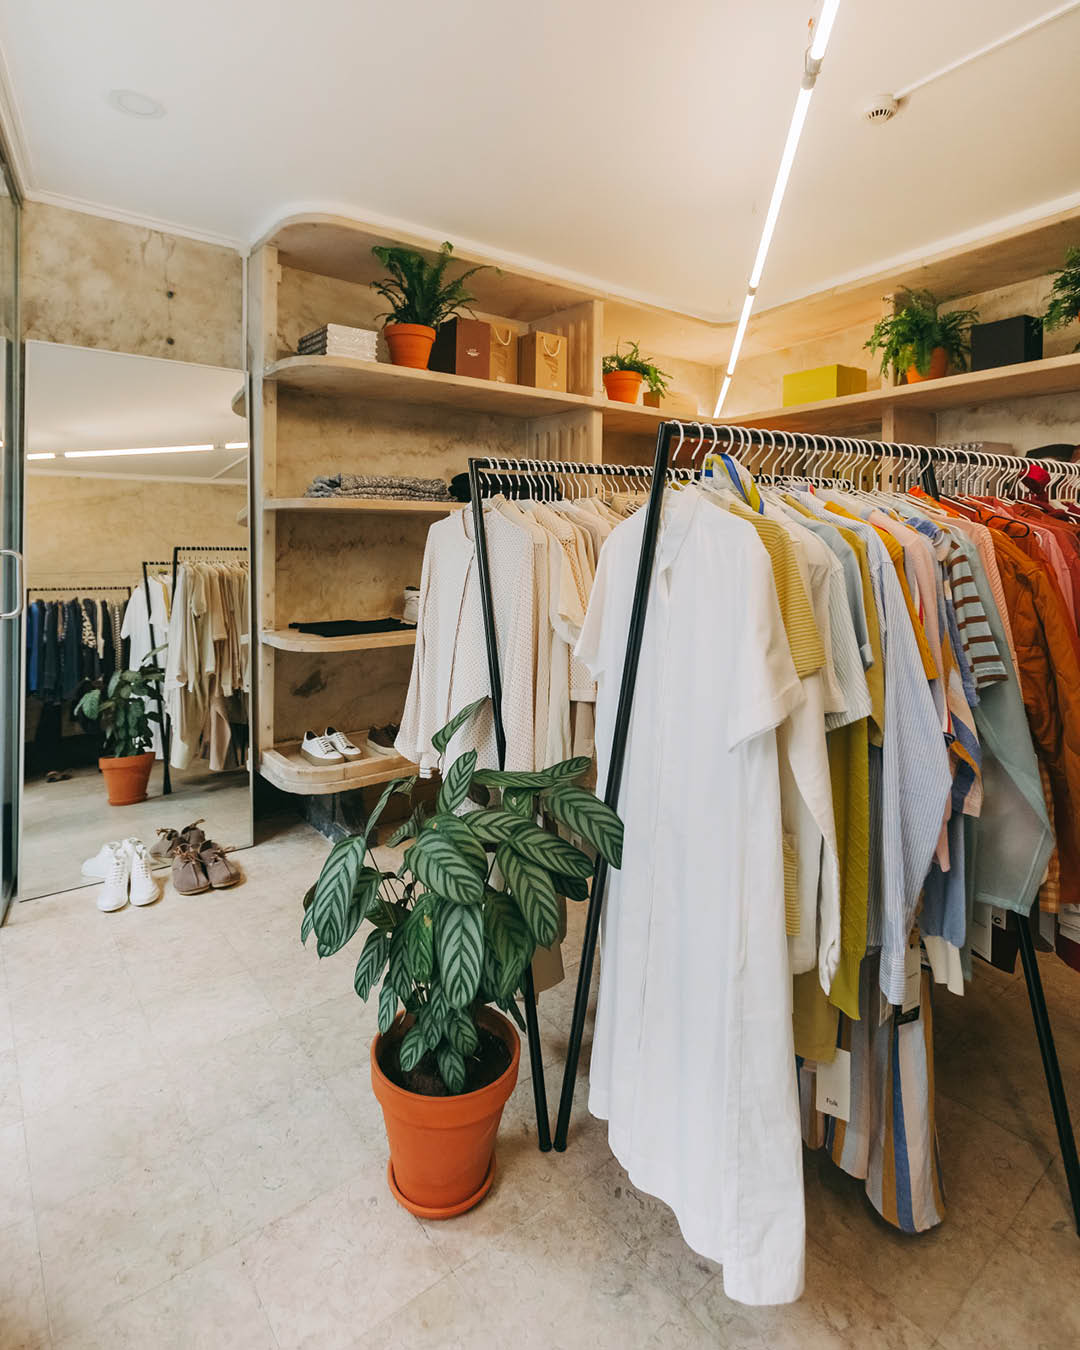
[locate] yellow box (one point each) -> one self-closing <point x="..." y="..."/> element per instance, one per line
<point x="811" y="386"/>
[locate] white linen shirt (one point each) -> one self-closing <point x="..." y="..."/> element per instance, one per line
<point x="693" y="1058"/>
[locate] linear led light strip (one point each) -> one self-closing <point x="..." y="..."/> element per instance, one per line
<point x="144" y="450"/>
<point x="819" y="42"/>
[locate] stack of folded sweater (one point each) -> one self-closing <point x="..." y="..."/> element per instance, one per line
<point x="378" y="485"/>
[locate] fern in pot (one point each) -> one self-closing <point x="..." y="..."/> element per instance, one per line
<point x="1063" y="305"/>
<point x="920" y="342"/>
<point x="450" y="935"/>
<point x="420" y="299"/>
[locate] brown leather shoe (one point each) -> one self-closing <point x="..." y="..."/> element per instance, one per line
<point x="188" y="873"/>
<point x="220" y="872"/>
<point x="163" y="847"/>
<point x="192" y="836"/>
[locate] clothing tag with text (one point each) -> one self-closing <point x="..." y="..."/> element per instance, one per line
<point x="834" y="1086"/>
<point x="912" y="975"/>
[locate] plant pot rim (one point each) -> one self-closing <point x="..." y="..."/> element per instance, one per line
<point x="409" y="327"/>
<point x="393" y="1091"/>
<point x="124" y="759"/>
<point x="623" y="374"/>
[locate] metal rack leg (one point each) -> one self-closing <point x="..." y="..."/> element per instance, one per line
<point x="532" y="1025"/>
<point x="1058" y="1103"/>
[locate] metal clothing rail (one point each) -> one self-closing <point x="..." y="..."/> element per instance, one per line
<point x="202" y="548"/>
<point x="923" y="460"/>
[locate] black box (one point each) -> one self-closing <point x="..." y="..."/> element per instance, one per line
<point x="1007" y="342"/>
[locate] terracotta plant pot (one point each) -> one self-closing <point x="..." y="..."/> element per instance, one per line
<point x="410" y="344"/>
<point x="650" y="400"/>
<point x="442" y="1149"/>
<point x="939" y="364"/>
<point x="126" y="778"/>
<point x="622" y="385"/>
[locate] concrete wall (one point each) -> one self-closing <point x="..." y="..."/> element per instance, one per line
<point x="102" y="528"/>
<point x="93" y="282"/>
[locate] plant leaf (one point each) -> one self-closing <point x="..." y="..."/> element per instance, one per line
<point x="412" y="1048"/>
<point x="452" y="1067"/>
<point x="388" y="1001"/>
<point x="455" y="784"/>
<point x="478" y="793"/>
<point x="510" y="939"/>
<point x="442" y="869"/>
<point x="535" y="895"/>
<point x="410" y="828"/>
<point x="459" y="947"/>
<point x="444" y="735"/>
<point x="373" y="958"/>
<point x="503" y="778"/>
<point x="436" y="1014"/>
<point x="574" y="888"/>
<point x="550" y="851"/>
<point x="334" y="891"/>
<point x="520" y="802"/>
<point x="587" y="816"/>
<point x="569" y="769"/>
<point x="463" y="839"/>
<point x="378" y="808"/>
<point x="493" y="827"/>
<point x="461" y="1033"/>
<point x="399" y="973"/>
<point x="419" y="930"/>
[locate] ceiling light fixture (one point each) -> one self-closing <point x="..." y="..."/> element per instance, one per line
<point x="146" y="450"/>
<point x="133" y="103"/>
<point x="41" y="454"/>
<point x="236" y="445"/>
<point x="819" y="41"/>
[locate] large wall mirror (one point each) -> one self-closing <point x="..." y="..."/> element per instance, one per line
<point x="136" y="545"/>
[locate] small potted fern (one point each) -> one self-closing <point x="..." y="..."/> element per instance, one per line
<point x="921" y="343"/>
<point x="420" y="300"/>
<point x="625" y="371"/>
<point x="1064" y="302"/>
<point x="450" y="934"/>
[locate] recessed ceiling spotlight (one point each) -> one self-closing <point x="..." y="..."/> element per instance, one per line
<point x="135" y="104"/>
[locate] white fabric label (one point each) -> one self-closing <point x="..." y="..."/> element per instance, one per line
<point x="834" y="1086"/>
<point x="980" y="931"/>
<point x="912" y="976"/>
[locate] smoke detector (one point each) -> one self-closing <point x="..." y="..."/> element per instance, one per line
<point x="883" y="108"/>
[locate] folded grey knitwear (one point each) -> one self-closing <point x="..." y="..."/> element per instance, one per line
<point x="379" y="485"/>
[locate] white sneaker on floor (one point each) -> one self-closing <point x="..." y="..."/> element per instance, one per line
<point x="97" y="867"/>
<point x="343" y="745"/>
<point x="142" y="888"/>
<point x="114" y="894"/>
<point x="320" y="750"/>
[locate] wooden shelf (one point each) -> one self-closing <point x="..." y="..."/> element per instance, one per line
<point x="346" y="376"/>
<point x="284" y="767"/>
<point x="1055" y="375"/>
<point x="291" y="640"/>
<point x="371" y="504"/>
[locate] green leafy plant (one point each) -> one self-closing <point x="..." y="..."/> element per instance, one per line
<point x="417" y="290"/>
<point x="908" y="337"/>
<point x="632" y="359"/>
<point x="456" y="926"/>
<point x="123" y="710"/>
<point x="1064" y="303"/>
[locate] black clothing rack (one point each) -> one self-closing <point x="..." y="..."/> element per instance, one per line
<point x="698" y="438"/>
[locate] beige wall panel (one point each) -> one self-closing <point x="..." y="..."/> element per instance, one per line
<point x="758" y="381"/>
<point x="1022" y="423"/>
<point x="694" y="381"/>
<point x="335" y="435"/>
<point x="306" y="301"/>
<point x="93" y="282"/>
<point x="347" y="690"/>
<point x="346" y="567"/>
<point x="80" y="526"/>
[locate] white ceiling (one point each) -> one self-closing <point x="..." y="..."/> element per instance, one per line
<point x="79" y="398"/>
<point x="629" y="144"/>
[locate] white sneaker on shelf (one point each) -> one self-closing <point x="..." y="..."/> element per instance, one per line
<point x="114" y="893"/>
<point x="320" y="750"/>
<point x="142" y="888"/>
<point x="343" y="745"/>
<point x="97" y="867"/>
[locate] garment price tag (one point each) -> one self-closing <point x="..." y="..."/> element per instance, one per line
<point x="834" y="1086"/>
<point x="912" y="976"/>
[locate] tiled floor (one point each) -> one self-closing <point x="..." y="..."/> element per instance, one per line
<point x="190" y="1156"/>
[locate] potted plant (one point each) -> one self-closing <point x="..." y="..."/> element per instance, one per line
<point x="420" y="299"/>
<point x="655" y="386"/>
<point x="451" y="933"/>
<point x="920" y="342"/>
<point x="624" y="372"/>
<point x="1064" y="303"/>
<point x="123" y="715"/>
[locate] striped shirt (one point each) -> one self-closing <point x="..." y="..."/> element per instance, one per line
<point x="983" y="655"/>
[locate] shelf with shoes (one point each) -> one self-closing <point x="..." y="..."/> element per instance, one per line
<point x="284" y="766"/>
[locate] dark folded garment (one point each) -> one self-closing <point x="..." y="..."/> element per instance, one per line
<point x="352" y="627"/>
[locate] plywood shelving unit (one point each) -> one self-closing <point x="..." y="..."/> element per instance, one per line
<point x="291" y="640"/>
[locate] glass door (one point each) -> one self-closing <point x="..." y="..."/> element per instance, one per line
<point x="12" y="592"/>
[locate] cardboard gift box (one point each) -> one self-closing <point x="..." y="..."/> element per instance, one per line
<point x="811" y="386"/>
<point x="462" y="347"/>
<point x="542" y="361"/>
<point x="504" y="354"/>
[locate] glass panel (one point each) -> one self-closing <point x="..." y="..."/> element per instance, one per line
<point x="10" y="539"/>
<point x="136" y="544"/>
